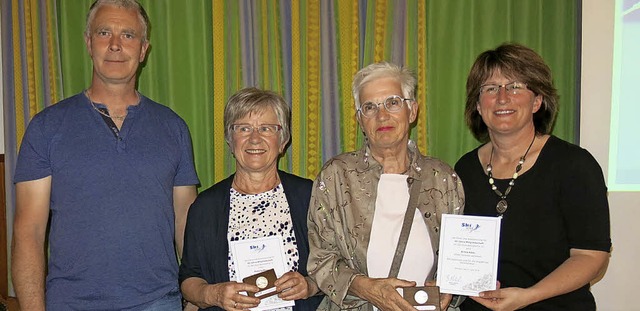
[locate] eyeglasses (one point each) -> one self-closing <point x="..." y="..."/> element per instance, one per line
<point x="513" y="88"/>
<point x="392" y="103"/>
<point x="265" y="130"/>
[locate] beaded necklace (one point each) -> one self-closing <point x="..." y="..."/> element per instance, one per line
<point x="502" y="205"/>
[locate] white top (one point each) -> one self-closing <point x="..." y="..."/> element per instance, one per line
<point x="391" y="205"/>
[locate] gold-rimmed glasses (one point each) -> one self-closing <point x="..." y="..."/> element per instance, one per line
<point x="392" y="103"/>
<point x="264" y="130"/>
<point x="512" y="88"/>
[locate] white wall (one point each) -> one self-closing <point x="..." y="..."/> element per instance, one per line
<point x="616" y="290"/>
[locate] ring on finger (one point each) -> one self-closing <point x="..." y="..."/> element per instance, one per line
<point x="235" y="304"/>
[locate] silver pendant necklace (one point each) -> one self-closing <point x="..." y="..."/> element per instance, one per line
<point x="502" y="205"/>
<point x="119" y="118"/>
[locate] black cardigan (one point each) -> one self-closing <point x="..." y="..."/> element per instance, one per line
<point x="205" y="239"/>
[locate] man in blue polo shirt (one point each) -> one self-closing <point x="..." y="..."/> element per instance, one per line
<point x="114" y="172"/>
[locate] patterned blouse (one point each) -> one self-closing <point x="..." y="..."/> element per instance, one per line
<point x="262" y="215"/>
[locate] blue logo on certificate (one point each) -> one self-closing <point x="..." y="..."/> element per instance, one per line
<point x="470" y="226"/>
<point x="257" y="248"/>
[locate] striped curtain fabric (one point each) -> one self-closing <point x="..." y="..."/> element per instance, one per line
<point x="31" y="69"/>
<point x="31" y="78"/>
<point x="306" y="50"/>
<point x="309" y="50"/>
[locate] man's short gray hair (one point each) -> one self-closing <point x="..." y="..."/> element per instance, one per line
<point x="126" y="4"/>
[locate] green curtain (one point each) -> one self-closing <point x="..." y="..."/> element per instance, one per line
<point x="459" y="30"/>
<point x="180" y="68"/>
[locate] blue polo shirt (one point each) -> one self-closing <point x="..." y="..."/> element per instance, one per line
<point x="112" y="218"/>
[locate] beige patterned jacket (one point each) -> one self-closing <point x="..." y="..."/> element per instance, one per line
<point x="341" y="213"/>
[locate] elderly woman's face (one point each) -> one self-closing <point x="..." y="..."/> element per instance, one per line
<point x="255" y="151"/>
<point x="386" y="129"/>
<point x="506" y="105"/>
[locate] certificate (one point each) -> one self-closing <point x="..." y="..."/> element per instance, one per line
<point x="256" y="256"/>
<point x="468" y="257"/>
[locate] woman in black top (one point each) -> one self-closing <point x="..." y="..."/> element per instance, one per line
<point x="550" y="194"/>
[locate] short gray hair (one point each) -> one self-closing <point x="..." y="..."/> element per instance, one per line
<point x="126" y="4"/>
<point x="384" y="70"/>
<point x="253" y="100"/>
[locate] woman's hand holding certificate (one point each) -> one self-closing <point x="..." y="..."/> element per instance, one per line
<point x="468" y="262"/>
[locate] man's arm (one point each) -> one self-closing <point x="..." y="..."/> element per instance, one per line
<point x="183" y="196"/>
<point x="29" y="230"/>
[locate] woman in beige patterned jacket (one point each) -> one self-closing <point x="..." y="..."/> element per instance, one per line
<point x="359" y="200"/>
